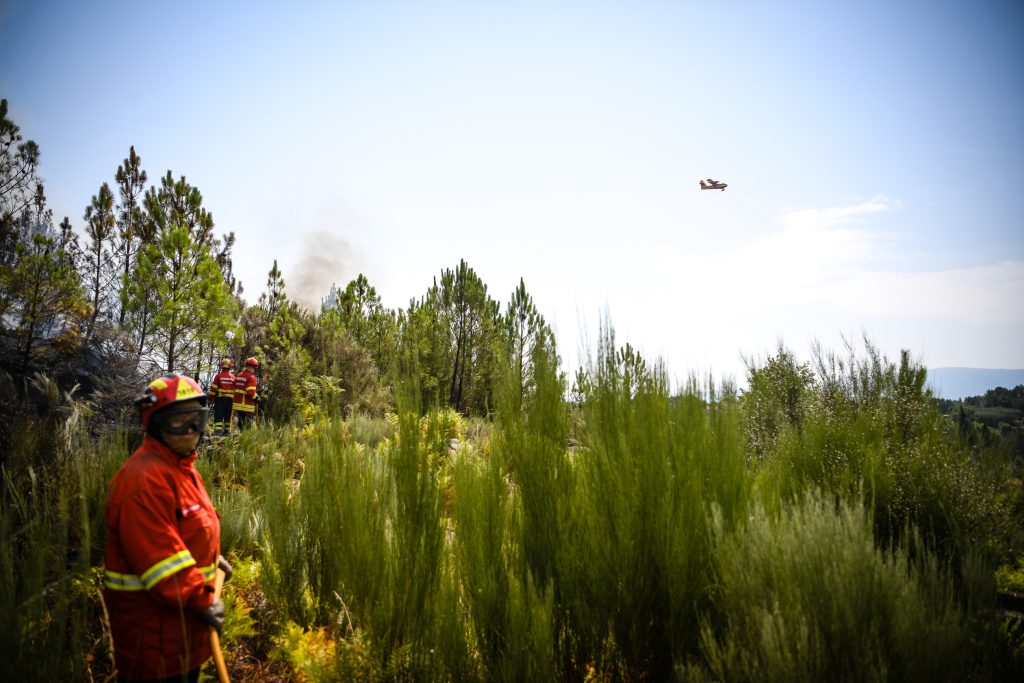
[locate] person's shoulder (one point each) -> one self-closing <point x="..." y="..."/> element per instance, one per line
<point x="143" y="471"/>
<point x="146" y="463"/>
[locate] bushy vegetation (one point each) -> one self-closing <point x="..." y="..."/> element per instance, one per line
<point x="839" y="532"/>
<point x="806" y="595"/>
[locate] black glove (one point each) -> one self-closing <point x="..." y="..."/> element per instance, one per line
<point x="214" y="616"/>
<point x="223" y="565"/>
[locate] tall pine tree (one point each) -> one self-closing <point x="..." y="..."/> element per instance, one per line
<point x="99" y="263"/>
<point x="526" y="334"/>
<point x="131" y="183"/>
<point x="370" y="324"/>
<point x="284" y="326"/>
<point x="451" y="339"/>
<point x="178" y="303"/>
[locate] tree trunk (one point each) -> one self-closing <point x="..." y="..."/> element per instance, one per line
<point x="127" y="273"/>
<point x="95" y="299"/>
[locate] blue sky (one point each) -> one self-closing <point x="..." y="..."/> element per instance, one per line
<point x="874" y="155"/>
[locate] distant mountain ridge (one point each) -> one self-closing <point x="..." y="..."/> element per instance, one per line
<point x="957" y="383"/>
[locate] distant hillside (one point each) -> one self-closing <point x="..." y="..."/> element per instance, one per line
<point x="957" y="383"/>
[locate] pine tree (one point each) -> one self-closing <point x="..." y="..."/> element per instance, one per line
<point x="99" y="264"/>
<point x="450" y="339"/>
<point x="131" y="183"/>
<point x="21" y="200"/>
<point x="369" y="323"/>
<point x="40" y="290"/>
<point x="176" y="204"/>
<point x="526" y="334"/>
<point x="424" y="346"/>
<point x="178" y="305"/>
<point x="472" y="318"/>
<point x="49" y="304"/>
<point x="20" y="186"/>
<point x="284" y="319"/>
<point x="67" y="242"/>
<point x="191" y="301"/>
<point x="271" y="300"/>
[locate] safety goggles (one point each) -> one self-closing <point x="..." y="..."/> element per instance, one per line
<point x="182" y="421"/>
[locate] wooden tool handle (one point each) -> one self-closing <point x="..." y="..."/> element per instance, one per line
<point x="218" y="656"/>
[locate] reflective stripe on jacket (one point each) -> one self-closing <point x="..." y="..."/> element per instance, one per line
<point x="245" y="391"/>
<point x="223" y="384"/>
<point x="163" y="540"/>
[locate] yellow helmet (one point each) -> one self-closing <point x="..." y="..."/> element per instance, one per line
<point x="167" y="390"/>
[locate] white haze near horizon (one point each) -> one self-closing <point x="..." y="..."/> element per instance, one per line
<point x="874" y="167"/>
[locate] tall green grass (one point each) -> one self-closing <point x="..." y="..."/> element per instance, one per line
<point x="52" y="499"/>
<point x="633" y="551"/>
<point x="358" y="544"/>
<point x="807" y="595"/>
<point x="506" y="521"/>
<point x="649" y="548"/>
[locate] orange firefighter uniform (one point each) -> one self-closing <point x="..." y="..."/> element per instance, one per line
<point x="245" y="393"/>
<point x="222" y="392"/>
<point x="163" y="543"/>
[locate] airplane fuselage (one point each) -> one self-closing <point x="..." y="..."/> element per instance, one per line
<point x="713" y="186"/>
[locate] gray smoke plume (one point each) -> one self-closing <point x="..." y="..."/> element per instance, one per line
<point x="326" y="259"/>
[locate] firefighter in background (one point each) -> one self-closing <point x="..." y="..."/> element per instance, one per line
<point x="222" y="391"/>
<point x="163" y="542"/>
<point x="246" y="398"/>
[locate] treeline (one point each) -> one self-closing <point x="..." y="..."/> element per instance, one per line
<point x="1000" y="397"/>
<point x="996" y="417"/>
<point x="148" y="286"/>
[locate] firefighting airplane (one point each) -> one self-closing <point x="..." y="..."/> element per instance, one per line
<point x="713" y="185"/>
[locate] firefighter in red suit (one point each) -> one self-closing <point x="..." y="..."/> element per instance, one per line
<point x="163" y="543"/>
<point x="246" y="398"/>
<point x="222" y="391"/>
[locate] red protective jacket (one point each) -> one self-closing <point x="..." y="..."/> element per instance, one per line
<point x="245" y="391"/>
<point x="163" y="541"/>
<point x="223" y="385"/>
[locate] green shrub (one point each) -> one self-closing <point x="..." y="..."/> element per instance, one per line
<point x="310" y="653"/>
<point x="511" y="613"/>
<point x="1010" y="578"/>
<point x="633" y="553"/>
<point x="370" y="431"/>
<point x="807" y="596"/>
<point x="241" y="520"/>
<point x="869" y="428"/>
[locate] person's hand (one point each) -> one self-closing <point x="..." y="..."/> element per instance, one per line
<point x="223" y="565"/>
<point x="214" y="616"/>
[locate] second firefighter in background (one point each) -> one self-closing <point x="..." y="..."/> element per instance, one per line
<point x="222" y="391"/>
<point x="246" y="398"/>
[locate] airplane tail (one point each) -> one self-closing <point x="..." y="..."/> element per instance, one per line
<point x="703" y="186"/>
